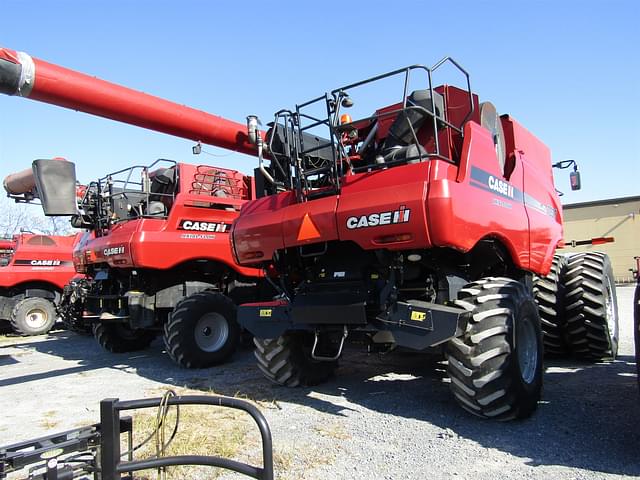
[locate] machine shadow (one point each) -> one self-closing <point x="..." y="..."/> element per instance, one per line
<point x="587" y="419"/>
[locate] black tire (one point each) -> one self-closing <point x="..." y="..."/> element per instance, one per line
<point x="119" y="338"/>
<point x="591" y="306"/>
<point x="202" y="330"/>
<point x="548" y="294"/>
<point x="495" y="367"/>
<point x="33" y="316"/>
<point x="636" y="327"/>
<point x="287" y="361"/>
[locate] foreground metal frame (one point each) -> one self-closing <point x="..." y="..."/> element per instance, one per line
<point x="95" y="449"/>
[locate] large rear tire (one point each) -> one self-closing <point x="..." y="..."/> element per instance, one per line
<point x="495" y="367"/>
<point x="591" y="306"/>
<point x="119" y="338"/>
<point x="202" y="330"/>
<point x="636" y="327"/>
<point x="547" y="292"/>
<point x="33" y="316"/>
<point x="287" y="361"/>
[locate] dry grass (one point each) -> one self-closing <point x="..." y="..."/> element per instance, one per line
<point x="48" y="420"/>
<point x="202" y="430"/>
<point x="333" y="430"/>
<point x="282" y="460"/>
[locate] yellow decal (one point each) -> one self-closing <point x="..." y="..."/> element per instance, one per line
<point x="265" y="312"/>
<point x="418" y="316"/>
<point x="51" y="453"/>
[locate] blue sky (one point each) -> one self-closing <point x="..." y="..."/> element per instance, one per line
<point x="567" y="70"/>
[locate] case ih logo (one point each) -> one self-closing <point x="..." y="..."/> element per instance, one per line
<point x="45" y="263"/>
<point x="198" y="226"/>
<point x="108" y="252"/>
<point x="382" y="218"/>
<point x="41" y="263"/>
<point x="500" y="186"/>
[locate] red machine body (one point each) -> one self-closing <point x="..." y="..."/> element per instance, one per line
<point x="43" y="259"/>
<point x="38" y="269"/>
<point x="196" y="227"/>
<point x="453" y="203"/>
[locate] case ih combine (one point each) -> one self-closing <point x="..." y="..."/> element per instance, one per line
<point x="156" y="256"/>
<point x="34" y="272"/>
<point x="420" y="225"/>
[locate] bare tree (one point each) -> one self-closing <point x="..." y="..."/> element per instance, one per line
<point x="17" y="217"/>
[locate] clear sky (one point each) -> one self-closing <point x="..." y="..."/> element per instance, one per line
<point x="568" y="70"/>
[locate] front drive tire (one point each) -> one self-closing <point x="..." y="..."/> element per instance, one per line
<point x="287" y="361"/>
<point x="591" y="306"/>
<point x="495" y="367"/>
<point x="119" y="338"/>
<point x="202" y="330"/>
<point x="33" y="316"/>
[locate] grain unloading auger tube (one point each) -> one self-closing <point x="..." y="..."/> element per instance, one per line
<point x="29" y="77"/>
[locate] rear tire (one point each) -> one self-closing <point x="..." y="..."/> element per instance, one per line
<point x="33" y="316"/>
<point x="287" y="361"/>
<point x="547" y="292"/>
<point x="495" y="367"/>
<point x="202" y="330"/>
<point x="636" y="327"/>
<point x="119" y="338"/>
<point x="591" y="306"/>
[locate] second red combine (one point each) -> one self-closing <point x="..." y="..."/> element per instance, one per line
<point x="156" y="253"/>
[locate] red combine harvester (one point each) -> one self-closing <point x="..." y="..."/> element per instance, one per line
<point x="35" y="270"/>
<point x="421" y="225"/>
<point x="159" y="260"/>
<point x="418" y="226"/>
<point x="156" y="255"/>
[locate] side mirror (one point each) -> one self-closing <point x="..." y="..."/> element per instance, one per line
<point x="574" y="178"/>
<point x="56" y="186"/>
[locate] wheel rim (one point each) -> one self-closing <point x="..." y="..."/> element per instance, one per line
<point x="527" y="347"/>
<point x="609" y="309"/>
<point x="36" y="318"/>
<point x="211" y="332"/>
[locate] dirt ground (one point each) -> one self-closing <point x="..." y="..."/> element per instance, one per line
<point x="386" y="416"/>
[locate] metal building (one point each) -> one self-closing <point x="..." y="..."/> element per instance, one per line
<point x="616" y="217"/>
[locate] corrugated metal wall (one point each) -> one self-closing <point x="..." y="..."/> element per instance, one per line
<point x="618" y="218"/>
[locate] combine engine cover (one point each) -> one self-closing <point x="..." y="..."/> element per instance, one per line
<point x="145" y="216"/>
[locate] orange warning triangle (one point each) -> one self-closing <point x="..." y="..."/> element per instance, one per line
<point x="307" y="229"/>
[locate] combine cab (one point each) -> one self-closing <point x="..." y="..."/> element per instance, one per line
<point x="34" y="272"/>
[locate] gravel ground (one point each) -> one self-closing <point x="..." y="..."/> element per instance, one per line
<point x="382" y="417"/>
